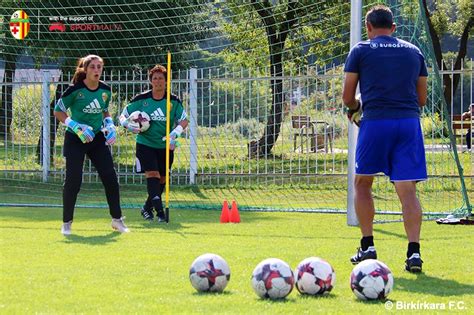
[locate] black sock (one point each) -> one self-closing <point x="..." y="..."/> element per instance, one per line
<point x="161" y="190"/>
<point x="148" y="206"/>
<point x="160" y="193"/>
<point x="366" y="241"/>
<point x="158" y="205"/>
<point x="413" y="248"/>
<point x="153" y="187"/>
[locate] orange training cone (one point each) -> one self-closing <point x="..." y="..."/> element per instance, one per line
<point x="225" y="214"/>
<point x="234" y="213"/>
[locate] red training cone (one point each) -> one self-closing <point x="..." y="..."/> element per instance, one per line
<point x="225" y="214"/>
<point x="234" y="213"/>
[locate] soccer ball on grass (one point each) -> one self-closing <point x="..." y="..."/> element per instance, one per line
<point x="371" y="279"/>
<point x="209" y="273"/>
<point x="314" y="276"/>
<point x="272" y="278"/>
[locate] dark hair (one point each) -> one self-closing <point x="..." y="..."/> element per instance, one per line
<point x="379" y="16"/>
<point x="82" y="65"/>
<point x="155" y="69"/>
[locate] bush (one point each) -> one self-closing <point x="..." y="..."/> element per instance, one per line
<point x="248" y="128"/>
<point x="27" y="113"/>
<point x="433" y="126"/>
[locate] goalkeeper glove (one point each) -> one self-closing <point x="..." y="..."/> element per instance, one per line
<point x="109" y="131"/>
<point x="174" y="135"/>
<point x="129" y="125"/>
<point x="83" y="131"/>
<point x="354" y="115"/>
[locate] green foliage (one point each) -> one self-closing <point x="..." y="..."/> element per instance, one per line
<point x="242" y="129"/>
<point x="229" y="100"/>
<point x="433" y="126"/>
<point x="448" y="16"/>
<point x="26" y="105"/>
<point x="319" y="36"/>
<point x="27" y="113"/>
<point x="451" y="16"/>
<point x="247" y="128"/>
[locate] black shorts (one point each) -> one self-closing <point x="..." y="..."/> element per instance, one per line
<point x="151" y="159"/>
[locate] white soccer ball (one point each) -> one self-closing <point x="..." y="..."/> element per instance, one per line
<point x="371" y="279"/>
<point x="139" y="120"/>
<point x="209" y="273"/>
<point x="272" y="278"/>
<point x="314" y="276"/>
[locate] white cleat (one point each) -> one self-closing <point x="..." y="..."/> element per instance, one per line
<point x="119" y="225"/>
<point x="66" y="228"/>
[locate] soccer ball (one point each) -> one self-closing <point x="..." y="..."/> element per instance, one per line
<point x="272" y="278"/>
<point x="314" y="276"/>
<point x="140" y="120"/>
<point x="209" y="273"/>
<point x="371" y="280"/>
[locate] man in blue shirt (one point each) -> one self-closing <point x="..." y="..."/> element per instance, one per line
<point x="393" y="83"/>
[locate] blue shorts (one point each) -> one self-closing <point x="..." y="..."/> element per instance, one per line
<point x="392" y="146"/>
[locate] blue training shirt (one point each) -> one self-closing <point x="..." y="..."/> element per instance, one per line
<point x="388" y="70"/>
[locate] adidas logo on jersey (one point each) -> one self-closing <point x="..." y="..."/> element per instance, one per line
<point x="158" y="115"/>
<point x="93" y="107"/>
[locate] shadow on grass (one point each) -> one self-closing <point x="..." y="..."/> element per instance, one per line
<point x="399" y="235"/>
<point x="433" y="286"/>
<point x="285" y="300"/>
<point x="196" y="293"/>
<point x="92" y="240"/>
<point x="317" y="297"/>
<point x="371" y="302"/>
<point x="197" y="192"/>
<point x="172" y="226"/>
<point x="177" y="216"/>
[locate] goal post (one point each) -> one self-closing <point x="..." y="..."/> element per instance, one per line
<point x="353" y="131"/>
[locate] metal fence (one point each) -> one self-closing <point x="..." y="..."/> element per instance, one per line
<point x="227" y="108"/>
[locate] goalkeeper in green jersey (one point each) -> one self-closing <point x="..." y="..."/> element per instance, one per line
<point x="151" y="144"/>
<point x="89" y="130"/>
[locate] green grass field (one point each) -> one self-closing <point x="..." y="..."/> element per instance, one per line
<point x="97" y="270"/>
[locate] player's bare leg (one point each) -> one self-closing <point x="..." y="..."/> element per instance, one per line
<point x="411" y="209"/>
<point x="412" y="218"/>
<point x="364" y="206"/>
<point x="364" y="203"/>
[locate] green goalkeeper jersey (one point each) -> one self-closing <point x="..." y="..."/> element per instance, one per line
<point x="156" y="109"/>
<point x="86" y="105"/>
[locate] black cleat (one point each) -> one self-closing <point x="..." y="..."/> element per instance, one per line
<point x="147" y="214"/>
<point x="161" y="217"/>
<point x="414" y="263"/>
<point x="370" y="253"/>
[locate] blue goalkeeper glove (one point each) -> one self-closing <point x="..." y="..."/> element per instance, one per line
<point x="174" y="135"/>
<point x="83" y="131"/>
<point x="109" y="131"/>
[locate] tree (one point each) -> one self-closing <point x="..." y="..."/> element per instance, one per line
<point x="276" y="36"/>
<point x="457" y="18"/>
<point x="291" y="30"/>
